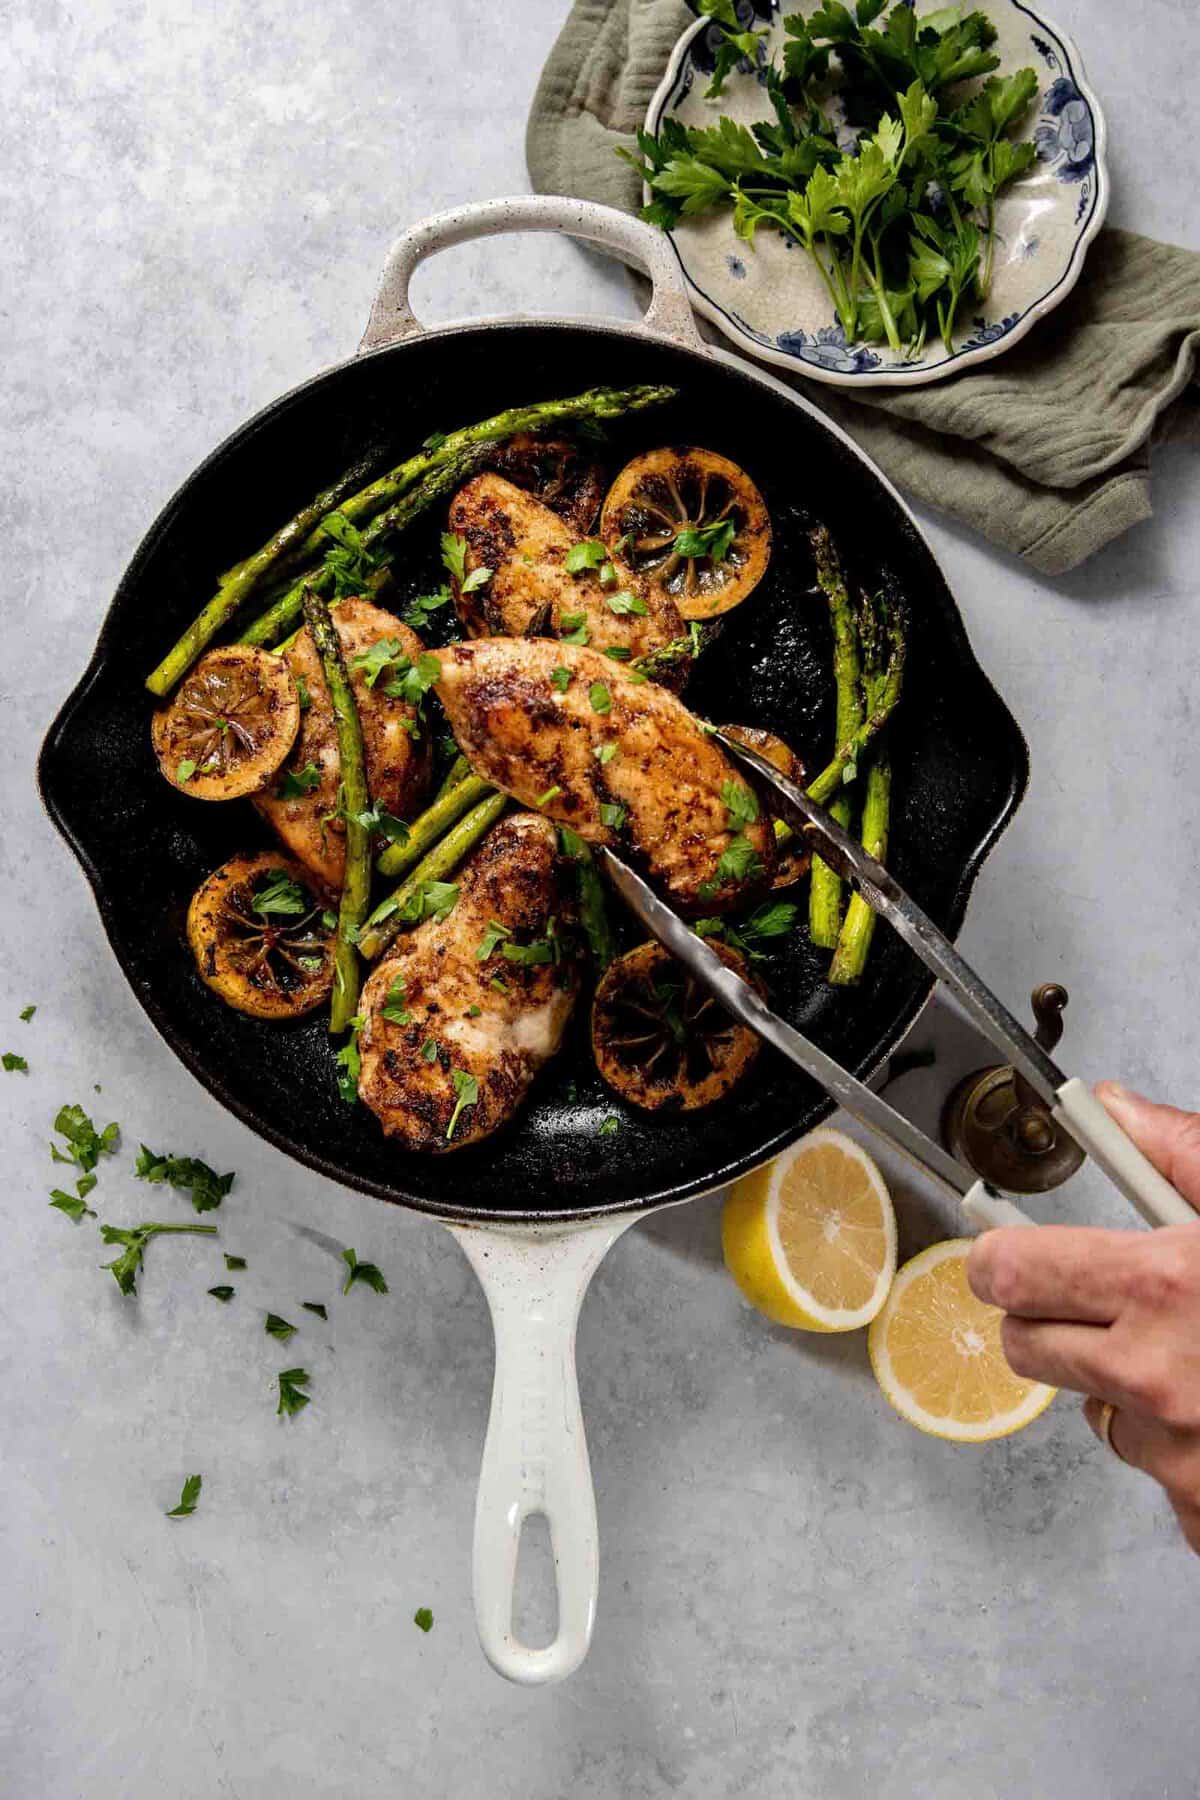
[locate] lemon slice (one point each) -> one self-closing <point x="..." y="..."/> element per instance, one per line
<point x="936" y="1353"/>
<point x="811" y="1239"/>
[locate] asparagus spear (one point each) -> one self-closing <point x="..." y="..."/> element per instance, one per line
<point x="388" y="918"/>
<point x="881" y="631"/>
<point x="303" y="537"/>
<point x="825" y="893"/>
<point x="238" y="582"/>
<point x="829" y="781"/>
<point x="593" y="909"/>
<point x="458" y="771"/>
<point x="356" y="883"/>
<point x="433" y="823"/>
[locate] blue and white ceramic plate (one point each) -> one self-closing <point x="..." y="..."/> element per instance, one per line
<point x="770" y="300"/>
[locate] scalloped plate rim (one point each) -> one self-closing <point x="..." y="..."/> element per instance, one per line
<point x="962" y="359"/>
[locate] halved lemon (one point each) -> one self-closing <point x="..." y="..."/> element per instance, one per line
<point x="936" y="1353"/>
<point x="811" y="1239"/>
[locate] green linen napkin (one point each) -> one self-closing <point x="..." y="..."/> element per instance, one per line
<point x="1046" y="450"/>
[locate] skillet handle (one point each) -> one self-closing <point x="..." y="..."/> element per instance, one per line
<point x="668" y="313"/>
<point x="535" y="1456"/>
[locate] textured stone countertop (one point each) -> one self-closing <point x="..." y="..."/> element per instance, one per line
<point x="799" y="1596"/>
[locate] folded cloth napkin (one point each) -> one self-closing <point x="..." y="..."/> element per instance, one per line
<point x="1046" y="450"/>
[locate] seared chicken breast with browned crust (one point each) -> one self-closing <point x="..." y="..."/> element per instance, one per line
<point x="301" y="804"/>
<point x="458" y="1020"/>
<point x="530" y="593"/>
<point x="623" y="763"/>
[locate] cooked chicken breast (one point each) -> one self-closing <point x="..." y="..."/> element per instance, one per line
<point x="398" y="765"/>
<point x="496" y="1018"/>
<point x="624" y="763"/>
<point x="530" y="593"/>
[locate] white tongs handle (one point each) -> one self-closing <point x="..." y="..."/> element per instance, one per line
<point x="1132" y="1174"/>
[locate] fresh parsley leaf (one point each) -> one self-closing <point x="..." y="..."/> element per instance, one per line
<point x="600" y="697"/>
<point x="291" y="1399"/>
<point x="185" y="769"/>
<point x="235" y="1262"/>
<point x="362" y="1271"/>
<point x="27" y="1013"/>
<point x="473" y="1012"/>
<point x="604" y="753"/>
<point x="395" y="1010"/>
<point x="280" y="896"/>
<point x="302" y="693"/>
<point x="75" y="1207"/>
<point x="223" y="1293"/>
<point x="417" y="612"/>
<point x="429" y="1050"/>
<point x="499" y="983"/>
<point x="491" y="937"/>
<point x="612" y="815"/>
<point x="296" y="782"/>
<point x="349" y="1062"/>
<point x="432" y="900"/>
<point x="591" y="554"/>
<point x="561" y="679"/>
<point x="465" y="1087"/>
<point x="626" y="602"/>
<point x="713" y="542"/>
<point x="607" y="1127"/>
<point x="279" y="1328"/>
<point x="188" y="1498"/>
<point x="529" y="955"/>
<point x="377" y="657"/>
<point x="454" y="555"/>
<point x="13" y="1063"/>
<point x="572" y="628"/>
<point x="315" y="1306"/>
<point x="423" y="1619"/>
<point x="85" y="1145"/>
<point x="741" y="804"/>
<point x="206" y="1187"/>
<point x="619" y="653"/>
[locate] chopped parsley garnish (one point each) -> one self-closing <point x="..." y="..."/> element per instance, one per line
<point x="625" y="602"/>
<point x="571" y="842"/>
<point x="279" y="1328"/>
<point x="604" y="753"/>
<point x="774" y="918"/>
<point x="206" y="1187"/>
<point x="185" y="769"/>
<point x="352" y="562"/>
<point x="696" y="635"/>
<point x="85" y="1145"/>
<point x="291" y="1399"/>
<point x="591" y="554"/>
<point x="491" y="937"/>
<point x="235" y="1262"/>
<point x="281" y="895"/>
<point x="429" y="1050"/>
<point x="542" y="950"/>
<point x="126" y="1266"/>
<point x="349" y="1063"/>
<point x="362" y="1271"/>
<point x="74" y="1205"/>
<point x="608" y="1126"/>
<point x="380" y="822"/>
<point x="315" y="1306"/>
<point x="499" y="983"/>
<point x="572" y="628"/>
<point x="713" y="541"/>
<point x="13" y="1063"/>
<point x="612" y="815"/>
<point x="473" y="1012"/>
<point x="618" y="652"/>
<point x="741" y="805"/>
<point x="224" y="1293"/>
<point x="27" y="1013"/>
<point x="454" y="557"/>
<point x="395" y="1010"/>
<point x="551" y="793"/>
<point x="188" y="1498"/>
<point x="466" y="1088"/>
<point x="432" y="900"/>
<point x="417" y="612"/>
<point x="302" y="692"/>
<point x="600" y="697"/>
<point x="559" y="678"/>
<point x="296" y="782"/>
<point x="423" y="1619"/>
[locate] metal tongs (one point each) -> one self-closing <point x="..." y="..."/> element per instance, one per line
<point x="1071" y="1103"/>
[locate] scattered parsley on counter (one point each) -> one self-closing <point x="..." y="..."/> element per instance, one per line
<point x="75" y="1207"/>
<point x="188" y="1498"/>
<point x="291" y="1399"/>
<point x="423" y="1619"/>
<point x="13" y="1063"/>
<point x="315" y="1306"/>
<point x="362" y="1271"/>
<point x="223" y="1293"/>
<point x="279" y="1328"/>
<point x="125" y="1267"/>
<point x="27" y="1013"/>
<point x="206" y="1188"/>
<point x="85" y="1145"/>
<point x="235" y="1262"/>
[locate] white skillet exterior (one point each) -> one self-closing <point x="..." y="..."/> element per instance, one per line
<point x="770" y="302"/>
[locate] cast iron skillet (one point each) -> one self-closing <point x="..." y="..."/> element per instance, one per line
<point x="960" y="763"/>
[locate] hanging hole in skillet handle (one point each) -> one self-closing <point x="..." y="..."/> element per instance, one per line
<point x="669" y="314"/>
<point x="535" y="1459"/>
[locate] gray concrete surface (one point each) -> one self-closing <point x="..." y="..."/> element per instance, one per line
<point x="800" y="1597"/>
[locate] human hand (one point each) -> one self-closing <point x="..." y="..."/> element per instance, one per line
<point x="1115" y="1315"/>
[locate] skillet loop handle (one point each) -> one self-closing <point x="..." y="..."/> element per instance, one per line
<point x="535" y="1458"/>
<point x="669" y="313"/>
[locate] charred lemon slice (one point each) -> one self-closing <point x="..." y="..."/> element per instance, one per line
<point x="661" y="1041"/>
<point x="262" y="938"/>
<point x="693" y="524"/>
<point x="229" y="725"/>
<point x="792" y="860"/>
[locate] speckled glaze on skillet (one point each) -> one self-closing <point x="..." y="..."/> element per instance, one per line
<point x="961" y="763"/>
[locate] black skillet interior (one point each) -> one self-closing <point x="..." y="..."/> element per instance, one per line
<point x="959" y="758"/>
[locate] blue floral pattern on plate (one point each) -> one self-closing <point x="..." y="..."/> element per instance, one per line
<point x="828" y="349"/>
<point x="1066" y="135"/>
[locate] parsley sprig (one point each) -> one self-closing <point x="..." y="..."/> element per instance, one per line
<point x="206" y="1188"/>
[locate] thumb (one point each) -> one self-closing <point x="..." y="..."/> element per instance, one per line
<point x="1166" y="1134"/>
